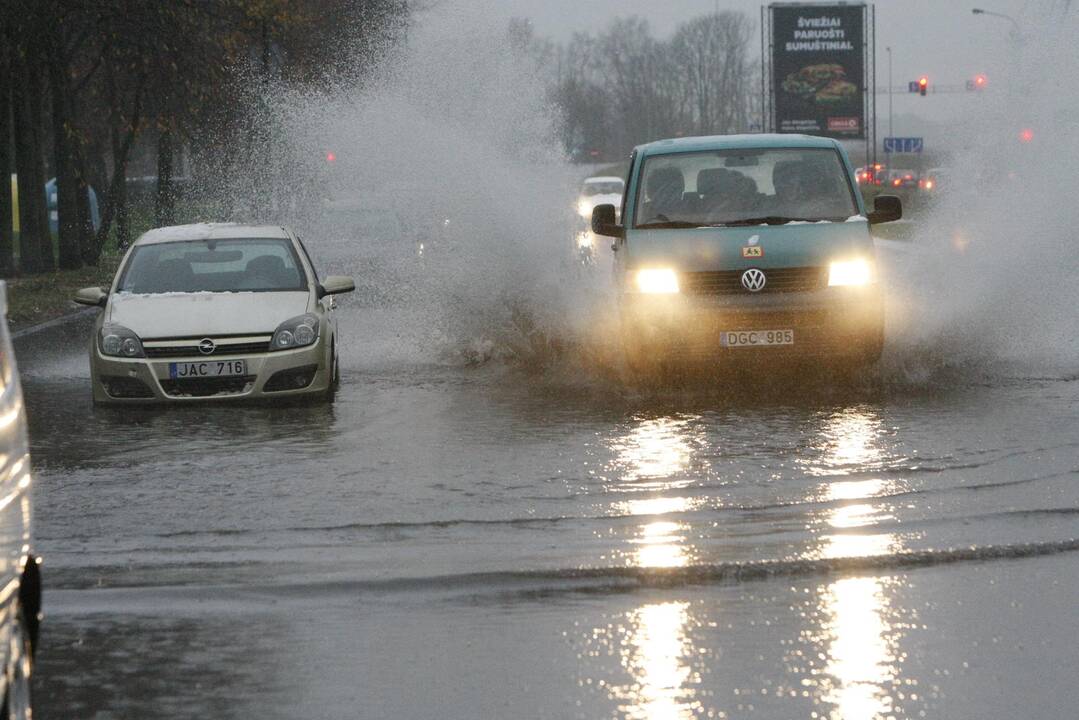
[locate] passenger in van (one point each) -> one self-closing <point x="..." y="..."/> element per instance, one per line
<point x="725" y="195"/>
<point x="663" y="195"/>
<point x="805" y="189"/>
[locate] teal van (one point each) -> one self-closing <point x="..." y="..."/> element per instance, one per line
<point x="746" y="246"/>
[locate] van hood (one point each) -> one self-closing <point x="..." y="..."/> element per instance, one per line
<point x="204" y="314"/>
<point x="721" y="248"/>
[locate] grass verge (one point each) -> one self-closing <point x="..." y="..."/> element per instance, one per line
<point x="38" y="298"/>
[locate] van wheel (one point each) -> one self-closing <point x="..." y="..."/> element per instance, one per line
<point x="17" y="703"/>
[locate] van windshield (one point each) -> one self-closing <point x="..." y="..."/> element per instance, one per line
<point x="745" y="186"/>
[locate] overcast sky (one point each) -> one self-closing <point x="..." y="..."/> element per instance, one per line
<point x="939" y="38"/>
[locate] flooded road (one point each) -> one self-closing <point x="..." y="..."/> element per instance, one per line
<point x="460" y="540"/>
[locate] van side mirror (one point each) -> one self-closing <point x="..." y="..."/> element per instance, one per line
<point x="335" y="285"/>
<point x="886" y="208"/>
<point x="91" y="296"/>
<point x="604" y="223"/>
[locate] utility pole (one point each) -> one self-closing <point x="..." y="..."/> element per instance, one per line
<point x="891" y="133"/>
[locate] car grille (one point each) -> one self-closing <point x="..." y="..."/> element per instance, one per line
<point x="729" y="282"/>
<point x="172" y="351"/>
<point x="207" y="387"/>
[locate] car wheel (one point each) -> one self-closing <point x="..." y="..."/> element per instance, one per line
<point x="17" y="703"/>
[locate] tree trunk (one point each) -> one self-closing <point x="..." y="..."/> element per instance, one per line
<point x="67" y="194"/>
<point x="7" y="233"/>
<point x="164" y="205"/>
<point x="35" y="240"/>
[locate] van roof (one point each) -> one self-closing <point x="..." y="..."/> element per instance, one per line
<point x="735" y="142"/>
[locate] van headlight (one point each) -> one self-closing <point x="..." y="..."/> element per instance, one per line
<point x="118" y="341"/>
<point x="584" y="208"/>
<point x="850" y="272"/>
<point x="300" y="331"/>
<point x="657" y="281"/>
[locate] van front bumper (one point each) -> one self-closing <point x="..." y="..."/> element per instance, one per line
<point x="826" y="322"/>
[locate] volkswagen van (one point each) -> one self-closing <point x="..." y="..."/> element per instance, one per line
<point x="746" y="246"/>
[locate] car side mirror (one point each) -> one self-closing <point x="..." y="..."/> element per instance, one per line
<point x="335" y="285"/>
<point x="604" y="222"/>
<point x="91" y="296"/>
<point x="886" y="208"/>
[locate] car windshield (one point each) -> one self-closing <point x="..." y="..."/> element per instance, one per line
<point x="751" y="186"/>
<point x="232" y="265"/>
<point x="602" y="188"/>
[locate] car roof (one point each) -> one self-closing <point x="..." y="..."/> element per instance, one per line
<point x="208" y="231"/>
<point x="602" y="179"/>
<point x="735" y="142"/>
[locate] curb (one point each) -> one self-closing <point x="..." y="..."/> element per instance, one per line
<point x="55" y="322"/>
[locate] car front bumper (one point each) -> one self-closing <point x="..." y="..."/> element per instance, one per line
<point x="826" y="322"/>
<point x="271" y="375"/>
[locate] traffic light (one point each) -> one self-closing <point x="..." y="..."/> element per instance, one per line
<point x="977" y="83"/>
<point x="923" y="85"/>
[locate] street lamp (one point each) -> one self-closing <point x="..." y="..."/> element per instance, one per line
<point x="1017" y="32"/>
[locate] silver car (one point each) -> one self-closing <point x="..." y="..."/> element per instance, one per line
<point x="214" y="311"/>
<point x="20" y="575"/>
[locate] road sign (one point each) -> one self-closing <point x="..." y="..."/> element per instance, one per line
<point x="903" y="144"/>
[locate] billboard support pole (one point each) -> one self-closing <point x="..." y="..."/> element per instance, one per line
<point x="764" y="72"/>
<point x="872" y="12"/>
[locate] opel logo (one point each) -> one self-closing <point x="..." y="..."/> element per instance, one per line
<point x="207" y="347"/>
<point x="754" y="280"/>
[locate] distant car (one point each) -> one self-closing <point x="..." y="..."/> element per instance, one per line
<point x="933" y="179"/>
<point x="214" y="311"/>
<point x="599" y="190"/>
<point x="54" y="207"/>
<point x="20" y="596"/>
<point x="902" y="179"/>
<point x="870" y="174"/>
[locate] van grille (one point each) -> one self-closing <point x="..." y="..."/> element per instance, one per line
<point x="729" y="282"/>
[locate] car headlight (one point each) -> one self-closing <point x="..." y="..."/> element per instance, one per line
<point x="850" y="272"/>
<point x="584" y="208"/>
<point x="657" y="281"/>
<point x="118" y="341"/>
<point x="300" y="331"/>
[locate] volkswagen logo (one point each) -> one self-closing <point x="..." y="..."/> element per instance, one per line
<point x="207" y="347"/>
<point x="754" y="280"/>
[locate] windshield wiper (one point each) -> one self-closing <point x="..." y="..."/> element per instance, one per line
<point x="669" y="224"/>
<point x="766" y="220"/>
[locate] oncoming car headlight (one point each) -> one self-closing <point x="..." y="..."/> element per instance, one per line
<point x="297" y="332"/>
<point x="656" y="281"/>
<point x="118" y="341"/>
<point x="850" y="272"/>
<point x="584" y="208"/>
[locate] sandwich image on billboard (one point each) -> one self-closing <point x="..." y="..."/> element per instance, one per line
<point x="818" y="69"/>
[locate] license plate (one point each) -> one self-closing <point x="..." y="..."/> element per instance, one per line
<point x="756" y="338"/>
<point x="209" y="368"/>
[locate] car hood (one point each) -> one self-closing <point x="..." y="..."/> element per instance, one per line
<point x="790" y="245"/>
<point x="181" y="315"/>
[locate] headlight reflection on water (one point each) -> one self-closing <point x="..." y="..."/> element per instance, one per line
<point x="656" y="658"/>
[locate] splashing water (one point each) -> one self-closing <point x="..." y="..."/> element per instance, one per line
<point x="990" y="282"/>
<point x="440" y="184"/>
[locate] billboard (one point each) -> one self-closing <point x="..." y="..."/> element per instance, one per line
<point x="819" y="70"/>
